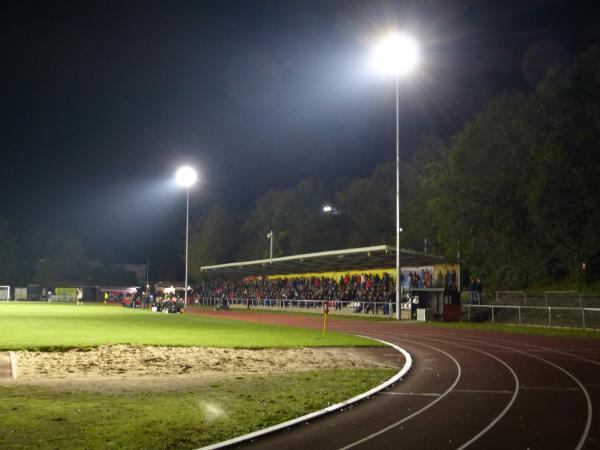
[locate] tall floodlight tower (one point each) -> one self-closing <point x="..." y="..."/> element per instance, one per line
<point x="186" y="177"/>
<point x="396" y="55"/>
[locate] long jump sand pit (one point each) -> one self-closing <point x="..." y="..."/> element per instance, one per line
<point x="131" y="367"/>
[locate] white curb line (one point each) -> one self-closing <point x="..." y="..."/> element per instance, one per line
<point x="322" y="412"/>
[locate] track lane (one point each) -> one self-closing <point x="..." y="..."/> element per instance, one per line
<point x="548" y="390"/>
<point x="567" y="393"/>
<point x="551" y="410"/>
<point x="340" y="429"/>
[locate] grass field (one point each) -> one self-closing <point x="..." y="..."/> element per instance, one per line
<point x="151" y="417"/>
<point x="52" y="326"/>
<point x="186" y="419"/>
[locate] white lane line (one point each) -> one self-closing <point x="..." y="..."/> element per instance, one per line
<point x="588" y="423"/>
<point x="483" y="391"/>
<point x="509" y="404"/>
<point x="409" y="394"/>
<point x="395" y="424"/>
<point x="496" y="340"/>
<point x="558" y="352"/>
<point x="506" y="408"/>
<point x="329" y="409"/>
<point x="542" y="388"/>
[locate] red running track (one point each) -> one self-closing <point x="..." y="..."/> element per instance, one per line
<point x="467" y="389"/>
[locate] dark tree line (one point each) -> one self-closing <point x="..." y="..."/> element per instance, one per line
<point x="516" y="192"/>
<point x="41" y="256"/>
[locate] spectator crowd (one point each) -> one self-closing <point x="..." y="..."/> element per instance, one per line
<point x="365" y="287"/>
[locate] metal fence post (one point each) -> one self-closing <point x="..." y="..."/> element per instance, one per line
<point x="492" y="313"/>
<point x="519" y="309"/>
<point x="583" y="316"/>
<point x="549" y="316"/>
<point x="468" y="313"/>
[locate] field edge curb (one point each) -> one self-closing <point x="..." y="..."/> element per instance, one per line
<point x="13" y="365"/>
<point x="330" y="409"/>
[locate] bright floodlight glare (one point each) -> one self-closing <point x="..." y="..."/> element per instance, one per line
<point x="397" y="54"/>
<point x="327" y="208"/>
<point x="186" y="176"/>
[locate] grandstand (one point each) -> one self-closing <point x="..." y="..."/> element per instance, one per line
<point x="353" y="259"/>
<point x="333" y="264"/>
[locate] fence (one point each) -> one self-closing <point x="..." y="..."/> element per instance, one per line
<point x="551" y="316"/>
<point x="554" y="316"/>
<point x="61" y="298"/>
<point x="566" y="299"/>
<point x="315" y="306"/>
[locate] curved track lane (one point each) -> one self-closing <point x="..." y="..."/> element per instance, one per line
<point x="467" y="389"/>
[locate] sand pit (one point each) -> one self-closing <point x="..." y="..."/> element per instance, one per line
<point x="132" y="367"/>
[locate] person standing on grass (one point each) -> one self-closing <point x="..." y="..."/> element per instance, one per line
<point x="79" y="296"/>
<point x="473" y="289"/>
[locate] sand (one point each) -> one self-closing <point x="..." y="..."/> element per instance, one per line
<point x="118" y="367"/>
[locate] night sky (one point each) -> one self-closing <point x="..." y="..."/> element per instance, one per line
<point x="101" y="101"/>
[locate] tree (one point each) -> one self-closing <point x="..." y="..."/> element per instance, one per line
<point x="57" y="258"/>
<point x="214" y="239"/>
<point x="368" y="208"/>
<point x="8" y="255"/>
<point x="296" y="217"/>
<point x="520" y="187"/>
<point x="564" y="194"/>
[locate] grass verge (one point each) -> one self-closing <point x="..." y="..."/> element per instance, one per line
<point x="34" y="417"/>
<point x="514" y="329"/>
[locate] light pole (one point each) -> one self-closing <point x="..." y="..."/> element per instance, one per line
<point x="396" y="55"/>
<point x="270" y="236"/>
<point x="186" y="177"/>
<point x="147" y="273"/>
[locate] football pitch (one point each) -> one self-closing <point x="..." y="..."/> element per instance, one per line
<point x="158" y="412"/>
<point x="63" y="326"/>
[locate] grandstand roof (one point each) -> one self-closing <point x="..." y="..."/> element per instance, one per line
<point x="363" y="258"/>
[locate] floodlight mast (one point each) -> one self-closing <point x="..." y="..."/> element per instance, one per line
<point x="186" y="177"/>
<point x="397" y="55"/>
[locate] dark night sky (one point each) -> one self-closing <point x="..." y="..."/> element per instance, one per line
<point x="101" y="101"/>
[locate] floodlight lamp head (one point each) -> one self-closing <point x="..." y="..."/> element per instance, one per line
<point x="186" y="176"/>
<point x="396" y="55"/>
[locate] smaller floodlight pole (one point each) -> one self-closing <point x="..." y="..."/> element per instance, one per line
<point x="270" y="236"/>
<point x="186" y="177"/>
